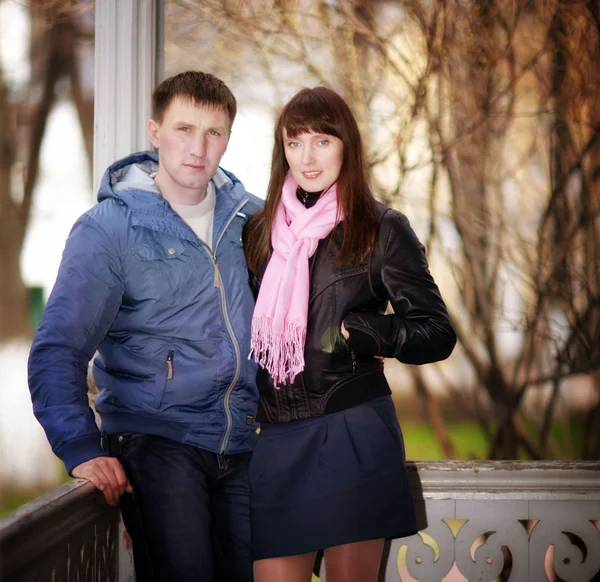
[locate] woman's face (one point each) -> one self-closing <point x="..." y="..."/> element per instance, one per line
<point x="315" y="159"/>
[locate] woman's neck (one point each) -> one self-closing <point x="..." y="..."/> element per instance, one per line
<point x="307" y="198"/>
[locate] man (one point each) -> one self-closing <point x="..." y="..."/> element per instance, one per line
<point x="153" y="278"/>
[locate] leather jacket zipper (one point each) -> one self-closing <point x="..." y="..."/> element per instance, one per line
<point x="293" y="409"/>
<point x="352" y="357"/>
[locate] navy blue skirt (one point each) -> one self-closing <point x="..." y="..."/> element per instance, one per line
<point x="330" y="480"/>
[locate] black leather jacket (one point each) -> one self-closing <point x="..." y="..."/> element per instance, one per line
<point x="339" y="373"/>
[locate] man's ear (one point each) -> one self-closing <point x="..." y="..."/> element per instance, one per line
<point x="153" y="128"/>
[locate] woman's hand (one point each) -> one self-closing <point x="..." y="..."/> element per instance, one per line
<point x="344" y="331"/>
<point x="346" y="335"/>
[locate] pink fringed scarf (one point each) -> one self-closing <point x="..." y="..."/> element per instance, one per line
<point x="281" y="312"/>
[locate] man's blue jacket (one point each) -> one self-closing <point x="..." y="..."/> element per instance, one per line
<point x="169" y="318"/>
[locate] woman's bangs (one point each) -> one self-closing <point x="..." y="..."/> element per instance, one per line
<point x="304" y="116"/>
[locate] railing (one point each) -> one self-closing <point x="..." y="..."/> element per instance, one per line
<point x="67" y="535"/>
<point x="481" y="522"/>
<point x="505" y="521"/>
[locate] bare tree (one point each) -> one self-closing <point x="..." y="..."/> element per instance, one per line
<point x="571" y="223"/>
<point x="483" y="118"/>
<point x="488" y="67"/>
<point x="56" y="32"/>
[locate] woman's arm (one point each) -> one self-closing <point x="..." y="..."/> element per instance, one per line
<point x="419" y="330"/>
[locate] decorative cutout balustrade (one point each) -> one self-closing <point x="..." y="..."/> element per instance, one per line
<point x="481" y="522"/>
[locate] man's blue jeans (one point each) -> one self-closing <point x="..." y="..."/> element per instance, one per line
<point x="189" y="515"/>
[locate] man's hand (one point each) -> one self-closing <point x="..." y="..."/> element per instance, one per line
<point x="107" y="474"/>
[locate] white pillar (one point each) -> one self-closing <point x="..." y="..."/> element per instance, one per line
<point x="128" y="64"/>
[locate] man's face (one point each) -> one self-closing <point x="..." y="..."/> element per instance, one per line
<point x="191" y="140"/>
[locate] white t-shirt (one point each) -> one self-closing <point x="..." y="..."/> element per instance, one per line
<point x="199" y="217"/>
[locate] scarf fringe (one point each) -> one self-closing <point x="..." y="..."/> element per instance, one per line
<point x="281" y="354"/>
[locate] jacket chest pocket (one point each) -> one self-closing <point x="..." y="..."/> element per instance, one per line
<point x="165" y="272"/>
<point x="347" y="282"/>
<point x="232" y="243"/>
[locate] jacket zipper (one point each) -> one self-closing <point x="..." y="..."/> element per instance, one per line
<point x="353" y="356"/>
<point x="170" y="365"/>
<point x="236" y="346"/>
<point x="169" y="376"/>
<point x="292" y="403"/>
<point x="292" y="398"/>
<point x="218" y="283"/>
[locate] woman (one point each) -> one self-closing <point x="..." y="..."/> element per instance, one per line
<point x="328" y="471"/>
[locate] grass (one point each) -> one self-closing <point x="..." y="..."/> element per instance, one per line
<point x="15" y="499"/>
<point x="12" y="498"/>
<point x="567" y="437"/>
<point x="470" y="442"/>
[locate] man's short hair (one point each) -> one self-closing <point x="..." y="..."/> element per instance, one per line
<point x="200" y="88"/>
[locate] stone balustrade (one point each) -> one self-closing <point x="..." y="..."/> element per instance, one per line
<point x="481" y="521"/>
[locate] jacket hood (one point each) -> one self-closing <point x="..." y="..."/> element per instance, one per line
<point x="129" y="175"/>
<point x="130" y="181"/>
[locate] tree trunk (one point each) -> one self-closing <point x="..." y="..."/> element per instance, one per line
<point x="476" y="125"/>
<point x="14" y="321"/>
<point x="434" y="414"/>
<point x="53" y="57"/>
<point x="14" y="317"/>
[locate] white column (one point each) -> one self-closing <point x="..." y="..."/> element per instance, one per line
<point x="128" y="64"/>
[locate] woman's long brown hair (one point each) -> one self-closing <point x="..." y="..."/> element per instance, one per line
<point x="319" y="110"/>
